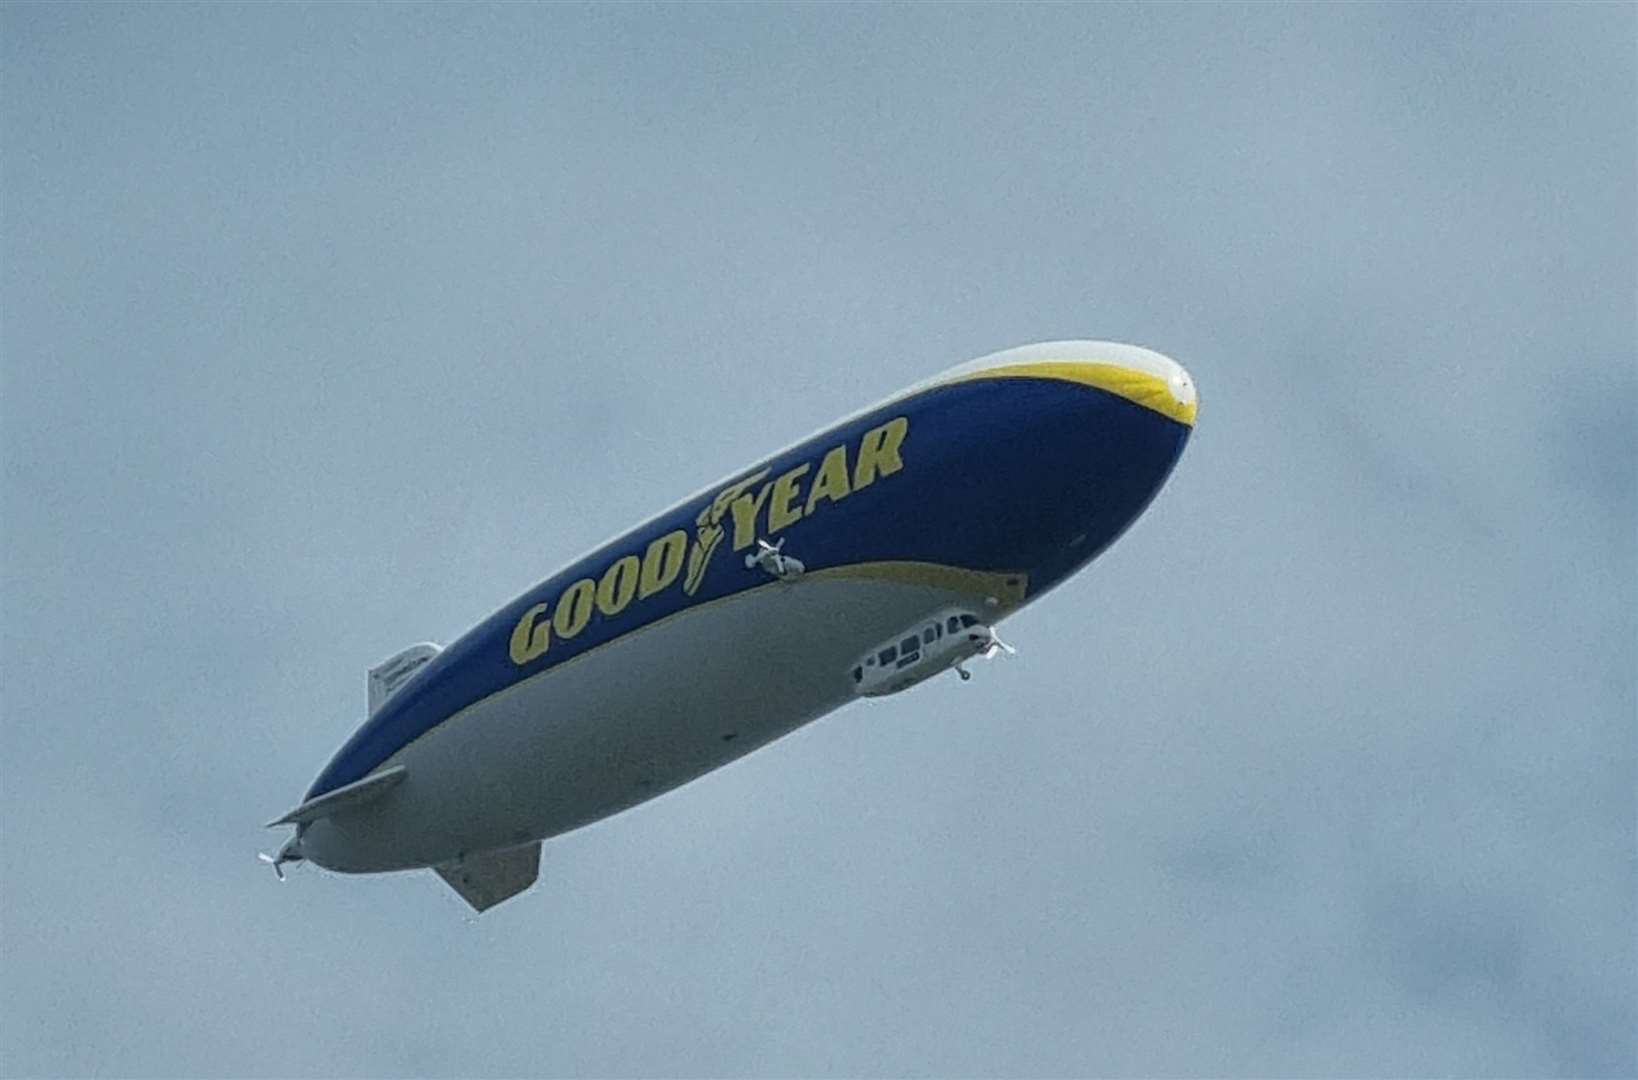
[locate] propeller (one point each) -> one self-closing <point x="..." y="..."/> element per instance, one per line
<point x="771" y="558"/>
<point x="766" y="552"/>
<point x="990" y="643"/>
<point x="289" y="853"/>
<point x="997" y="644"/>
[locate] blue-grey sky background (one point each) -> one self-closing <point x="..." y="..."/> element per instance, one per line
<point x="327" y="329"/>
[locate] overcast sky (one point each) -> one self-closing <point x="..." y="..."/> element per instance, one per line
<point x="330" y="329"/>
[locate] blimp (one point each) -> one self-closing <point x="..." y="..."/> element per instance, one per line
<point x="859" y="562"/>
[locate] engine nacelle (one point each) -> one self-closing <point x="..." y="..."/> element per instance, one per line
<point x="936" y="644"/>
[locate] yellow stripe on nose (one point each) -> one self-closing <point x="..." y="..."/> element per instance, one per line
<point x="1170" y="398"/>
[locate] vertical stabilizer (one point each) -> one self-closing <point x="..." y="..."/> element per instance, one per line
<point x="389" y="676"/>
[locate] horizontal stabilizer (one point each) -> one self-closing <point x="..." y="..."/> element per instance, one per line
<point x="389" y="676"/>
<point x="487" y="878"/>
<point x="348" y="797"/>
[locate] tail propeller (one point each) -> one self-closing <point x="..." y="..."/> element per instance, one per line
<point x="289" y="853"/>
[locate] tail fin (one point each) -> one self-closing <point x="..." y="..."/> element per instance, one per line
<point x="387" y="677"/>
<point x="486" y="879"/>
<point x="347" y="797"/>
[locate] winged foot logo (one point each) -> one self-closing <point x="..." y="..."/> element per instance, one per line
<point x="708" y="530"/>
<point x="753" y="507"/>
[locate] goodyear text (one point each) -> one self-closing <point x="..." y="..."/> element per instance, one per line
<point x="759" y="505"/>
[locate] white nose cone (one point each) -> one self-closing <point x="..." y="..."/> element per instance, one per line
<point x="1181" y="386"/>
<point x="1176" y="378"/>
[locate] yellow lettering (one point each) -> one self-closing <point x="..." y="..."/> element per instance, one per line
<point x="618" y="586"/>
<point x="879" y="452"/>
<point x="530" y="638"/>
<point x="831" y="480"/>
<point x="662" y="562"/>
<point x="780" y="511"/>
<point x="574" y="608"/>
<point x="745" y="510"/>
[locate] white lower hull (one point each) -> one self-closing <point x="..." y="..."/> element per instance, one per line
<point x="632" y="719"/>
